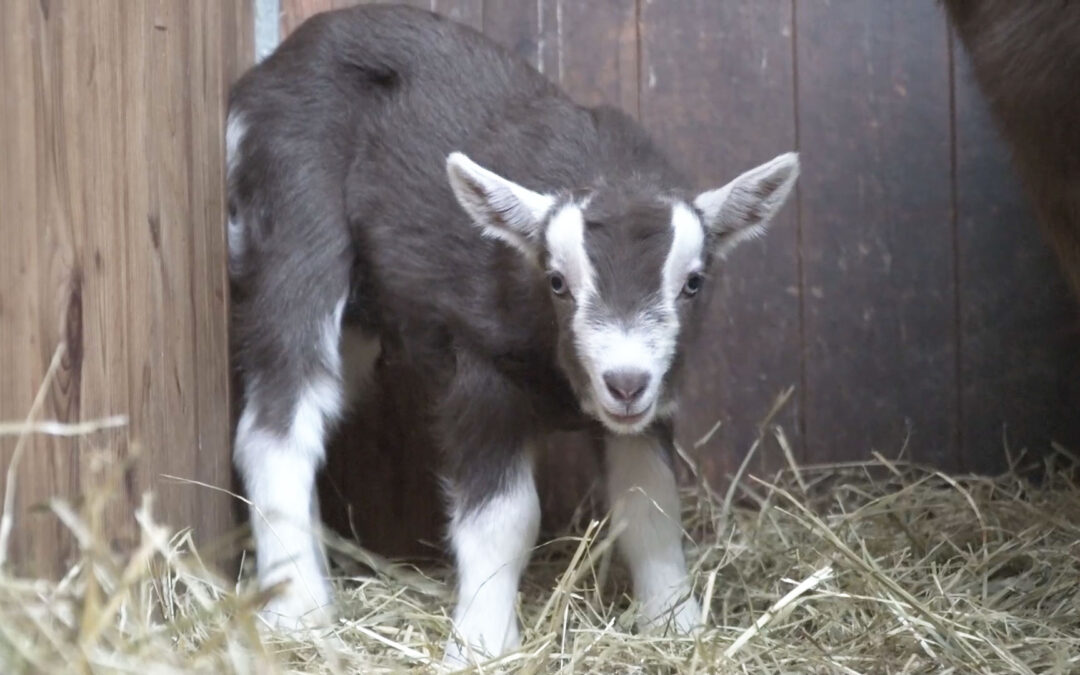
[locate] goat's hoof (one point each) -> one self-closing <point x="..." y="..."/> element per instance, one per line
<point x="682" y="619"/>
<point x="460" y="655"/>
<point x="686" y="618"/>
<point x="454" y="658"/>
<point x="298" y="609"/>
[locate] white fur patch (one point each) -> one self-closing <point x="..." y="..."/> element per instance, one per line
<point x="234" y="240"/>
<point x="330" y="339"/>
<point x="279" y="477"/>
<point x="235" y="130"/>
<point x="646" y="345"/>
<point x="645" y="501"/>
<point x="491" y="547"/>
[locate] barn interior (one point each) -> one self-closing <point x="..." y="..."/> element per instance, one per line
<point x="879" y="440"/>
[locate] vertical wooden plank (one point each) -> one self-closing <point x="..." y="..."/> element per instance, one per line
<point x="1020" y="330"/>
<point x="228" y="53"/>
<point x="516" y="25"/>
<point x="598" y="52"/>
<point x="295" y="12"/>
<point x="33" y="310"/>
<point x="717" y="90"/>
<point x="530" y="28"/>
<point x="118" y="112"/>
<point x="468" y="12"/>
<point x="880" y="322"/>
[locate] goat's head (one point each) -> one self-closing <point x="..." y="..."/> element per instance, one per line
<point x="624" y="267"/>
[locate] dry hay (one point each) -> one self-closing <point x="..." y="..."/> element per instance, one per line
<point x="874" y="567"/>
<point x="858" y="568"/>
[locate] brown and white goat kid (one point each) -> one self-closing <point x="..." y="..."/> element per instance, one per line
<point x="399" y="180"/>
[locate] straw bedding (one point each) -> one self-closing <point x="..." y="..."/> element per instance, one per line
<point x="875" y="567"/>
<point x="872" y="567"/>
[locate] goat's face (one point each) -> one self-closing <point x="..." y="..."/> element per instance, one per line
<point x="623" y="269"/>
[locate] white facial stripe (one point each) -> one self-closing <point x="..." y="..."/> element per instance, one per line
<point x="646" y="343"/>
<point x="566" y="245"/>
<point x="687" y="245"/>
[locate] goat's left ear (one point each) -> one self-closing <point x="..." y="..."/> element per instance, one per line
<point x="502" y="208"/>
<point x="743" y="209"/>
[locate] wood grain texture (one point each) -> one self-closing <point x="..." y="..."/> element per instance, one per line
<point x="877" y="246"/>
<point x="598" y="52"/>
<point x="468" y="12"/>
<point x="1020" y="329"/>
<point x="295" y="12"/>
<point x="717" y="89"/>
<point x="112" y="208"/>
<point x="516" y="26"/>
<point x="530" y="28"/>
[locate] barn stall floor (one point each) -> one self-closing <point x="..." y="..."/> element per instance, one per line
<point x="860" y="568"/>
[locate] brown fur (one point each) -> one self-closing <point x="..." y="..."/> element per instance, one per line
<point x="1026" y="59"/>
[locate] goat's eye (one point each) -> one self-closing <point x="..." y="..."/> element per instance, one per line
<point x="558" y="283"/>
<point x="693" y="284"/>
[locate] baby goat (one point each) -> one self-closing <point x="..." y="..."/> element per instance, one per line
<point x="548" y="285"/>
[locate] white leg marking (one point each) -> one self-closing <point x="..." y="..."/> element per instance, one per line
<point x="234" y="241"/>
<point x="235" y="129"/>
<point x="279" y="476"/>
<point x="491" y="547"/>
<point x="645" y="500"/>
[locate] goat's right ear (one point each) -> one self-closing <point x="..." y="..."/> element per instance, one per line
<point x="503" y="209"/>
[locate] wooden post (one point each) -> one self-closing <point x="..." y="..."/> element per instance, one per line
<point x="112" y="210"/>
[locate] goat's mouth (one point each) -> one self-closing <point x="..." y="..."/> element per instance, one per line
<point x="627" y="419"/>
<point x="624" y="422"/>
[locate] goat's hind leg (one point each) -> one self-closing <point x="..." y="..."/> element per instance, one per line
<point x="290" y="263"/>
<point x="286" y="325"/>
<point x="289" y="404"/>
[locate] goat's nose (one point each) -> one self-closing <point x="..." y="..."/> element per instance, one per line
<point x="626" y="385"/>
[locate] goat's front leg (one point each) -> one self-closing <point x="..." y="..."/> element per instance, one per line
<point x="645" y="502"/>
<point x="492" y="532"/>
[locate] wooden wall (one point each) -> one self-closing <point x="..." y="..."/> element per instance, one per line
<point x="111" y="223"/>
<point x="906" y="292"/>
